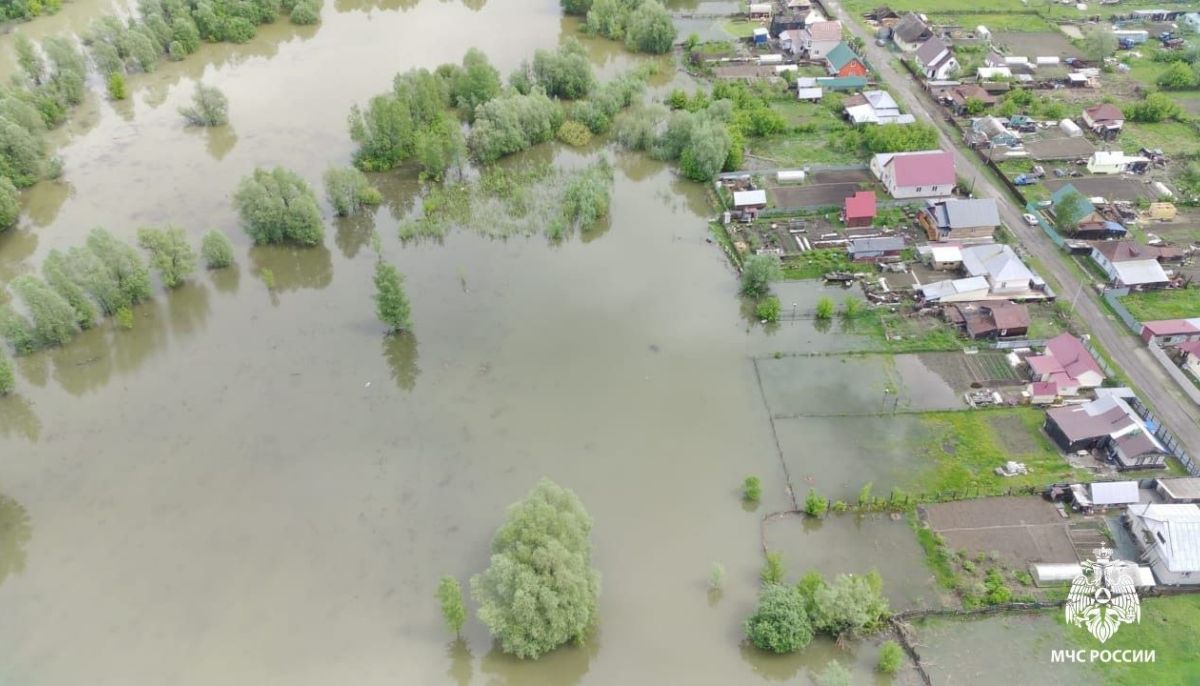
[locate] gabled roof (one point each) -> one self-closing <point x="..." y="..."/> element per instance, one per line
<point x="877" y="244"/>
<point x="911" y="29"/>
<point x="1172" y="327"/>
<point x="861" y="205"/>
<point x="996" y="261"/>
<point x="1124" y="251"/>
<point x="1110" y="417"/>
<point x="825" y="31"/>
<point x="940" y="290"/>
<point x="1140" y="273"/>
<point x="925" y="168"/>
<point x="881" y="100"/>
<point x="840" y="56"/>
<point x="930" y="51"/>
<point x="1069" y="352"/>
<point x="1179" y="524"/>
<point x="1104" y="112"/>
<point x="971" y="213"/>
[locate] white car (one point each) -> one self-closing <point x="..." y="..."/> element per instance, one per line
<point x="1030" y="219"/>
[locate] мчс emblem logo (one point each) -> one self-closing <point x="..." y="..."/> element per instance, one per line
<point x="1103" y="597"/>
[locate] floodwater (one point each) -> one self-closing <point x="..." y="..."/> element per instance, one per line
<point x="255" y="486"/>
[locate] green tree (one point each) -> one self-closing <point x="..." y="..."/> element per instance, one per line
<point x="10" y="205"/>
<point x="768" y="309"/>
<point x="578" y="8"/>
<point x="127" y="273"/>
<point x="349" y="191"/>
<point x="773" y="570"/>
<point x="900" y="137"/>
<point x="170" y="253"/>
<point x="306" y="12"/>
<point x="716" y="577"/>
<point x="1099" y="43"/>
<point x="476" y="83"/>
<point x="587" y="196"/>
<point x="512" y="123"/>
<point x="864" y="494"/>
<point x="849" y="605"/>
<point x="650" y="29"/>
<point x="608" y="17"/>
<point x="21" y="151"/>
<point x="891" y="656"/>
<point x="1155" y="107"/>
<point x="706" y="150"/>
<point x="565" y="73"/>
<point x="752" y="489"/>
<point x="278" y="206"/>
<point x="852" y="308"/>
<point x="56" y="270"/>
<point x="52" y="319"/>
<point x="1177" y="77"/>
<point x="779" y="623"/>
<point x="975" y="106"/>
<point x="1068" y="211"/>
<point x="7" y="382"/>
<point x="815" y="504"/>
<point x="758" y="271"/>
<point x="450" y="597"/>
<point x="391" y="303"/>
<point x="540" y="589"/>
<point x="209" y="107"/>
<point x="825" y="309"/>
<point x="216" y="250"/>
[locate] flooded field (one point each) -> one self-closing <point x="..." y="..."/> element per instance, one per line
<point x="973" y="652"/>
<point x="255" y="486"/>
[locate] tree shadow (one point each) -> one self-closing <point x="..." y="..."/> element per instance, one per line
<point x="460" y="670"/>
<point x="15" y="532"/>
<point x="354" y="233"/>
<point x="400" y="351"/>
<point x="18" y="420"/>
<point x="561" y="667"/>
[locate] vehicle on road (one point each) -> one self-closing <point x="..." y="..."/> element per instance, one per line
<point x="1030" y="219"/>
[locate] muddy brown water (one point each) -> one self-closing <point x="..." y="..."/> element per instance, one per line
<point x="255" y="486"/>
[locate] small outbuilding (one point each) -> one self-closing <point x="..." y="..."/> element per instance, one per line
<point x="749" y="200"/>
<point x="859" y="209"/>
<point x="876" y="249"/>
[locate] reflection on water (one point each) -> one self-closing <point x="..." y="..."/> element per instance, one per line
<point x="460" y="659"/>
<point x="18" y="420"/>
<point x="15" y="531"/>
<point x="565" y="666"/>
<point x="43" y="202"/>
<point x="35" y="369"/>
<point x="400" y="351"/>
<point x="294" y="267"/>
<point x="218" y="140"/>
<point x="96" y="355"/>
<point x="188" y="308"/>
<point x="353" y="233"/>
<point x="226" y="280"/>
<point x="16" y="245"/>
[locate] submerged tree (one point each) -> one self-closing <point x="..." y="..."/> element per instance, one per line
<point x="56" y="269"/>
<point x="391" y="303"/>
<point x="52" y="320"/>
<point x="475" y="83"/>
<point x="169" y="252"/>
<point x="849" y="605"/>
<point x="209" y="107"/>
<point x="125" y="266"/>
<point x="216" y="250"/>
<point x="780" y="623"/>
<point x="450" y="597"/>
<point x="758" y="272"/>
<point x="650" y="29"/>
<point x="7" y="383"/>
<point x="349" y="191"/>
<point x="10" y="206"/>
<point x="540" y="589"/>
<point x="565" y="73"/>
<point x="278" y="206"/>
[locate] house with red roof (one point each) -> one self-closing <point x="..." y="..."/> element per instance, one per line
<point x="1067" y="365"/>
<point x="923" y="174"/>
<point x="1171" y="331"/>
<point x="859" y="209"/>
<point x="1104" y="120"/>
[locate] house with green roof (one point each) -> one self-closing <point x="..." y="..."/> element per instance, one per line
<point x="842" y="61"/>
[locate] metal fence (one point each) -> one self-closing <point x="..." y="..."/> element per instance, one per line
<point x="1013" y="345"/>
<point x="1050" y="232"/>
<point x="1168" y="439"/>
<point x="1180" y="377"/>
<point x="1113" y="297"/>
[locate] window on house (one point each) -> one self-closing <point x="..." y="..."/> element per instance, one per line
<point x="1160" y="537"/>
<point x="919" y="189"/>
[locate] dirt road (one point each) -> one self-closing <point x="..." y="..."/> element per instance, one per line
<point x="1152" y="383"/>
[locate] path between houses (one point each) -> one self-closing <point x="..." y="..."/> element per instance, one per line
<point x="1158" y="390"/>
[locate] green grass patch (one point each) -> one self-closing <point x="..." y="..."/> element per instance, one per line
<point x="814" y="264"/>
<point x="1179" y="303"/>
<point x="900" y="334"/>
<point x="1176" y="137"/>
<point x="936" y="555"/>
<point x="1027" y="23"/>
<point x="1169" y="626"/>
<point x="969" y="445"/>
<point x="740" y="28"/>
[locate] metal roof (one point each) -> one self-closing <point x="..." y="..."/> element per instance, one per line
<point x="1115" y="492"/>
<point x="1179" y="524"/>
<point x="970" y="213"/>
<point x="1140" y="272"/>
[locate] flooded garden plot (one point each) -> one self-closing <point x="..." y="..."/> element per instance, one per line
<point x="857" y="544"/>
<point x="832" y="385"/>
<point x="1011" y="649"/>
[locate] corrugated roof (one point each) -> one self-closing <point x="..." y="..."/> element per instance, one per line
<point x="1140" y="272"/>
<point x="825" y="31"/>
<point x="744" y="198"/>
<point x="1071" y="354"/>
<point x="861" y="205"/>
<point x="929" y="51"/>
<point x="925" y="168"/>
<point x="1180" y="525"/>
<point x="996" y="261"/>
<point x="971" y="213"/>
<point x="1172" y="327"/>
<point x="840" y="56"/>
<point x="879" y="244"/>
<point x="1104" y="112"/>
<point x="911" y="29"/>
<point x="1115" y="492"/>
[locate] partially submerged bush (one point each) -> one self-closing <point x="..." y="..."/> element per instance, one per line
<point x="209" y="107"/>
<point x="780" y="623"/>
<point x="216" y="250"/>
<point x="278" y="206"/>
<point x="169" y="252"/>
<point x="349" y="191"/>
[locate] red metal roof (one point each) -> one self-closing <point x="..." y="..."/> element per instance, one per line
<point x="932" y="168"/>
<point x="861" y="205"/>
<point x="1170" y="327"/>
<point x="1069" y="352"/>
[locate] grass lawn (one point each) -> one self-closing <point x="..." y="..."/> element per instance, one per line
<point x="1028" y="23"/>
<point x="1169" y="626"/>
<point x="740" y="28"/>
<point x="1149" y="306"/>
<point x="812" y="139"/>
<point x="813" y="264"/>
<point x="971" y="444"/>
<point x="899" y="334"/>
<point x="1171" y="136"/>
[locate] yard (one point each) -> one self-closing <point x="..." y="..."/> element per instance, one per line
<point x="995" y="21"/>
<point x="822" y="189"/>
<point x="1175" y="138"/>
<point x="813" y="264"/>
<point x="1178" y="303"/>
<point x="1169" y="626"/>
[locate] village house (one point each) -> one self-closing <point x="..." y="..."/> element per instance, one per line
<point x="923" y="174"/>
<point x="1091" y="225"/>
<point x="955" y="290"/>
<point x="885" y="16"/>
<point x="1108" y="425"/>
<point x="1130" y="265"/>
<point x="1168" y="538"/>
<point x="876" y="249"/>
<point x="841" y="61"/>
<point x="936" y="60"/>
<point x="989" y="319"/>
<point x="753" y="200"/>
<point x="1171" y="331"/>
<point x="962" y="221"/>
<point x="874" y="107"/>
<point x="993" y="272"/>
<point x="959" y="96"/>
<point x="1189" y="358"/>
<point x="910" y="32"/>
<point x="1116" y="162"/>
<point x="1066" y="364"/>
<point x="1104" y="120"/>
<point x="760" y="10"/>
<point x="1183" y="489"/>
<point x="941" y="257"/>
<point x="859" y="209"/>
<point x="817" y="40"/>
<point x="994" y="133"/>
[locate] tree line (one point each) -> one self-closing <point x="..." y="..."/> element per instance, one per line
<point x="643" y="25"/>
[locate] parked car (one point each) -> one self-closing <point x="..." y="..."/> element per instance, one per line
<point x="1045" y="203"/>
<point x="1030" y="219"/>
